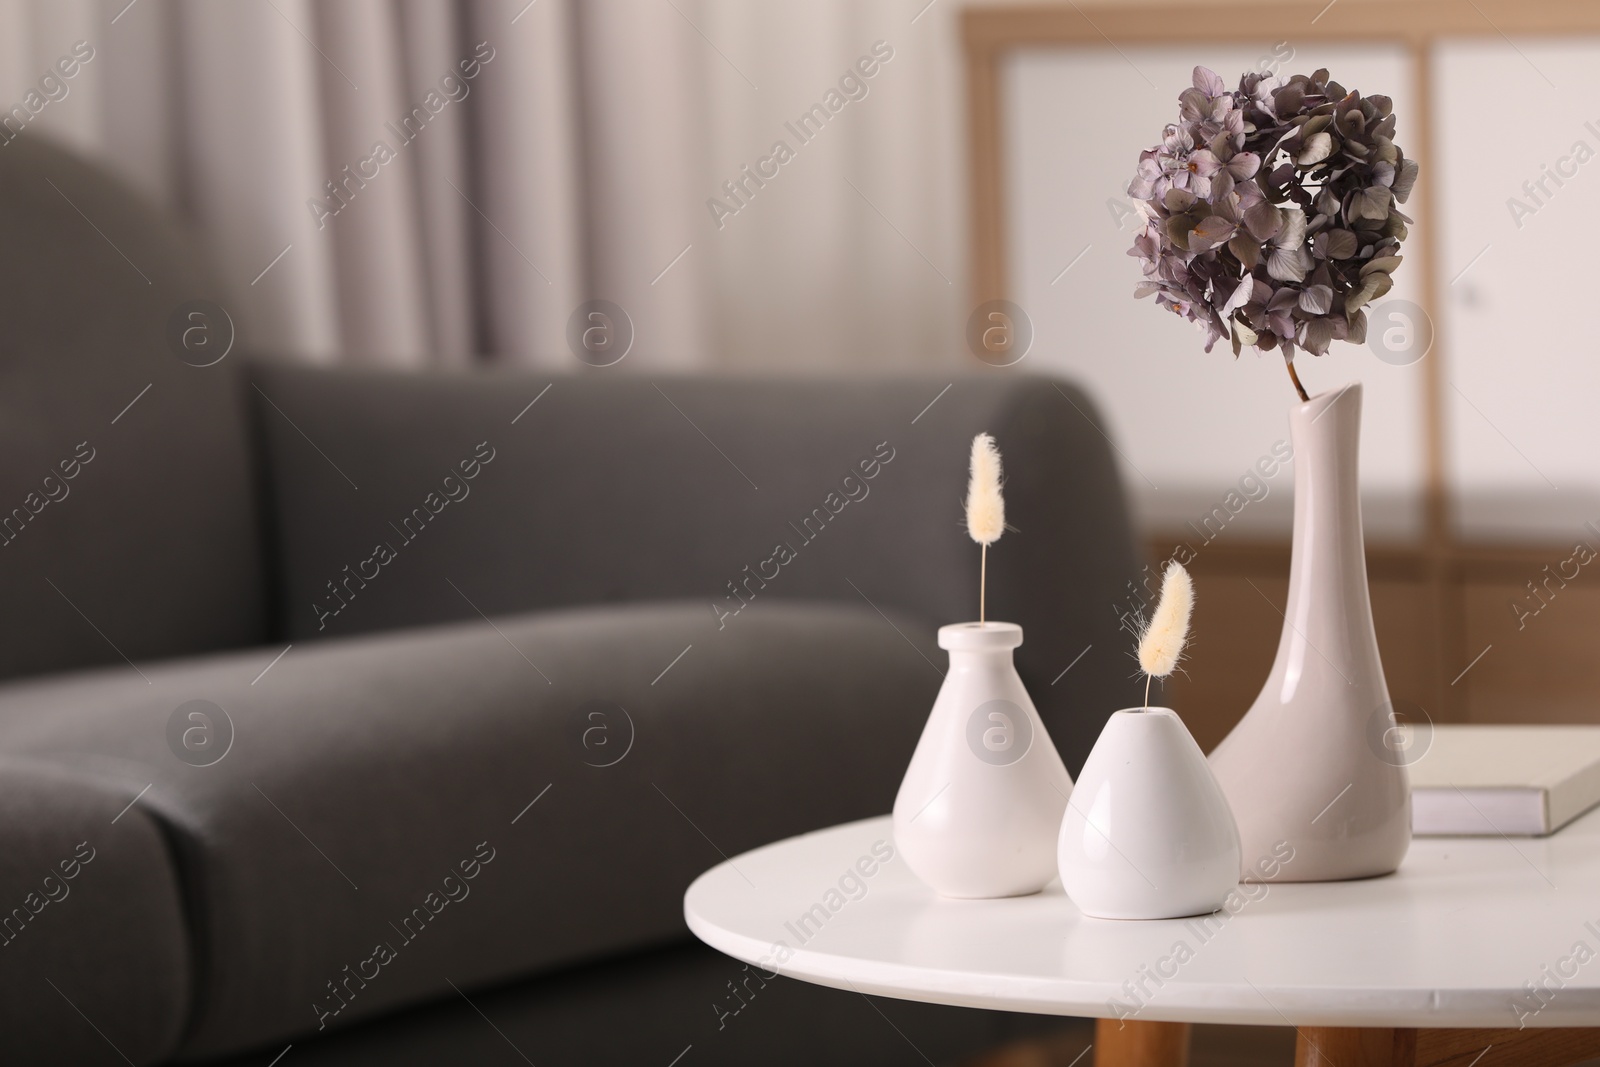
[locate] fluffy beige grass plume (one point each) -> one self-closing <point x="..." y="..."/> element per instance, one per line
<point x="1161" y="644"/>
<point x="986" y="508"/>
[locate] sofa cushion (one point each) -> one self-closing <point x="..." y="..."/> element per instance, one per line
<point x="478" y="801"/>
<point x="128" y="523"/>
<point x="94" y="954"/>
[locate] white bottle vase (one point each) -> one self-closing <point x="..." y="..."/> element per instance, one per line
<point x="1310" y="764"/>
<point x="1148" y="834"/>
<point x="978" y="809"/>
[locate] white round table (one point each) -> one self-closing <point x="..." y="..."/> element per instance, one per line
<point x="1475" y="942"/>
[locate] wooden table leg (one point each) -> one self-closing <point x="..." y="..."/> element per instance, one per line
<point x="1342" y="1046"/>
<point x="1138" y="1043"/>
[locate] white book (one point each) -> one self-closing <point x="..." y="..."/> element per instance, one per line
<point x="1525" y="781"/>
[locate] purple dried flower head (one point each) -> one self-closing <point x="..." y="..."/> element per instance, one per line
<point x="1271" y="212"/>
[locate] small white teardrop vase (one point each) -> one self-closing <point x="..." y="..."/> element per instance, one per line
<point x="1311" y="764"/>
<point x="1148" y="834"/>
<point x="980" y="804"/>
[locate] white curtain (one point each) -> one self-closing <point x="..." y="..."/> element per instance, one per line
<point x="576" y="163"/>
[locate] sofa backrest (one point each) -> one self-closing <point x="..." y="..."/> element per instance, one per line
<point x="403" y="499"/>
<point x="127" y="523"/>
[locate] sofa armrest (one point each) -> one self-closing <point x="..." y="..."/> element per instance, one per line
<point x="93" y="945"/>
<point x="506" y="492"/>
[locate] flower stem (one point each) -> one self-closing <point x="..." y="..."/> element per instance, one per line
<point x="1296" y="379"/>
<point x="1147" y="692"/>
<point x="983" y="582"/>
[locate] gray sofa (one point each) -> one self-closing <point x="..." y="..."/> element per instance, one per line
<point x="544" y="665"/>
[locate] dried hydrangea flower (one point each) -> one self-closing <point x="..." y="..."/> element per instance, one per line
<point x="1271" y="211"/>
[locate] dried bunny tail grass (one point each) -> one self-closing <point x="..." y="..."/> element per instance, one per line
<point x="986" y="508"/>
<point x="1161" y="644"/>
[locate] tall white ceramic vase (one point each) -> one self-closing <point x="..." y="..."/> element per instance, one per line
<point x="1148" y="834"/>
<point x="980" y="804"/>
<point x="1310" y="764"/>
